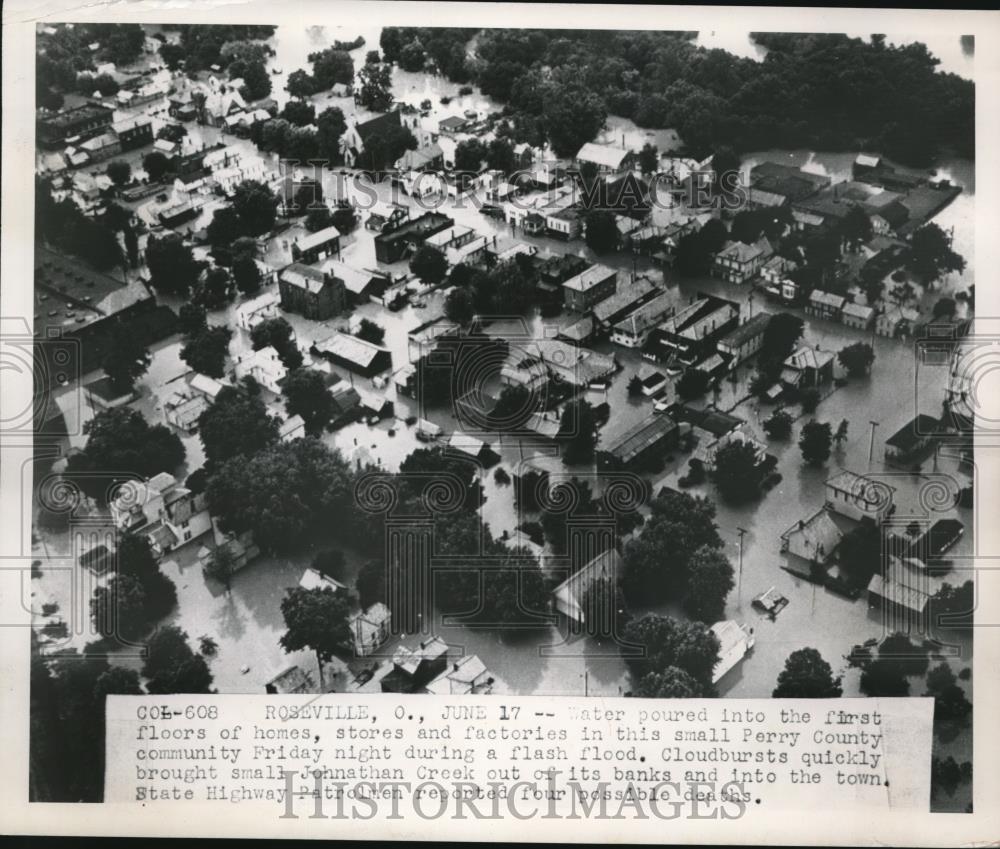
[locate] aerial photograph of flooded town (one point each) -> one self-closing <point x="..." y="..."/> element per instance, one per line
<point x="500" y="361"/>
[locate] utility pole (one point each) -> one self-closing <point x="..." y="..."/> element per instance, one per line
<point x="739" y="586"/>
<point x="871" y="440"/>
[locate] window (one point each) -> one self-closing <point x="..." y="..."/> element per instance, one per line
<point x="187" y="535"/>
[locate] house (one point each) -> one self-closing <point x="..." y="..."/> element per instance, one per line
<point x="745" y="341"/>
<point x="607" y="158"/>
<point x="642" y="447"/>
<point x="292" y="681"/>
<point x="735" y="641"/>
<point x="360" y="285"/>
<point x="579" y="332"/>
<point x="101" y="147"/>
<point x="634" y="329"/>
<point x="396" y="244"/>
<point x="317" y="246"/>
<point x="384" y="216"/>
<point x="590" y="286"/>
<point x="693" y="333"/>
<point x="264" y="366"/>
<point x="776" y="279"/>
<point x="310" y="292"/>
<point x="134" y="133"/>
<point x="826" y="305"/>
<point x="857" y="497"/>
<point x="292" y="428"/>
<point x="630" y="297"/>
<point x="220" y="104"/>
<point x="912" y="439"/>
<point x="858" y="316"/>
<point x="355" y="137"/>
<point x="162" y="510"/>
<point x="451" y="125"/>
<point x="568" y="597"/>
<point x="54" y="130"/>
<point x="813" y="540"/>
<point x="524" y="156"/>
<point x="251" y="313"/>
<point x="564" y="222"/>
<point x="451" y="241"/>
<point x="183" y="408"/>
<point x="208" y="387"/>
<point x="464" y="676"/>
<point x="789" y="182"/>
<point x="807" y="368"/>
<point x="555" y="269"/>
<point x="413" y="669"/>
<point x="476" y="449"/>
<point x="242" y="548"/>
<point x="354" y="354"/>
<point x="313" y="579"/>
<point x="532" y="364"/>
<point x="903" y="588"/>
<point x="895" y="321"/>
<point x="181" y="106"/>
<point x="428" y="158"/>
<point x="346" y="403"/>
<point x="370" y="629"/>
<point x="739" y="262"/>
<point x="229" y="178"/>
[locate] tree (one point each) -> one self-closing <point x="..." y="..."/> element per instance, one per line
<point x="693" y="384"/>
<point x="577" y="434"/>
<point x="726" y="168"/>
<point x="225" y="227"/>
<point x="931" y="254"/>
<point x="945" y="308"/>
<point x="173" y="270"/>
<point x="737" y="472"/>
<point x="256" y="82"/>
<point x="572" y="115"/>
<point x="950" y="702"/>
<point x="649" y="158"/>
<point x="412" y="56"/>
<point x="841" y="433"/>
<point x="370" y="583"/>
<point x="469" y="156"/>
<point x="277" y="333"/>
<point x="860" y="552"/>
<point x="459" y="306"/>
<point x="172" y="667"/>
<point x="747" y="226"/>
<point x="318" y="218"/>
<point x="807" y="676"/>
<point x="710" y="580"/>
<point x="671" y="683"/>
<point x="126" y="358"/>
<point x="299" y="112"/>
<point x="375" y="91"/>
<point x="236" y="424"/>
<point x="782" y="333"/>
<point x="689" y="646"/>
<point x="206" y="351"/>
<point x="120" y="441"/>
<point x="814" y="442"/>
<point x="779" y="425"/>
<point x="372" y="57"/>
<point x="635" y="386"/>
<point x="256" y="206"/>
<point x="215" y="290"/>
<point x="329" y="562"/>
<point x="316" y="619"/>
<point x="131" y="246"/>
<point x="371" y="332"/>
<point x="809" y="399"/>
<point x="601" y="231"/>
<point x="909" y="657"/>
<point x="300" y="84"/>
<point x="307" y="395"/>
<point x="429" y="264"/>
<point x="883" y="678"/>
<point x="118" y="609"/>
<point x="657" y="562"/>
<point x="345" y="219"/>
<point x="500" y="156"/>
<point x="120" y="172"/>
<point x="156" y="165"/>
<point x="332" y="66"/>
<point x="246" y="275"/>
<point x="282" y="492"/>
<point x="137" y="561"/>
<point x="857" y="358"/>
<point x="191" y="319"/>
<point x="220" y="565"/>
<point x="856" y="227"/>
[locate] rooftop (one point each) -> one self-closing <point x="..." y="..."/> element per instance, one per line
<point x="349" y="348"/>
<point x="589" y="278"/>
<point x="913" y="431"/>
<point x="602" y="154"/>
<point x="319" y="238"/>
<point x="637" y="439"/>
<point x="304" y="277"/>
<point x="746" y="331"/>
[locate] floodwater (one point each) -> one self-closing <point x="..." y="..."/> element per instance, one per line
<point x="247" y="622"/>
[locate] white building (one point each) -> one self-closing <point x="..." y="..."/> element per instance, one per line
<point x="251" y="313"/>
<point x="264" y="366"/>
<point x="162" y="510"/>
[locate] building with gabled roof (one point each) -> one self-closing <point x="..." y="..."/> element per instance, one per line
<point x="608" y="158"/>
<point x="354" y="354"/>
<point x="568" y="597"/>
<point x="310" y="292"/>
<point x="739" y="262"/>
<point x="633" y="330"/>
<point x="590" y="286"/>
<point x="370" y="628"/>
<point x="464" y="676"/>
<point x="317" y="246"/>
<point x="642" y="446"/>
<point x="859" y="497"/>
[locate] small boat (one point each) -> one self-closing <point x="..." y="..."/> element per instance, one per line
<point x="770" y="601"/>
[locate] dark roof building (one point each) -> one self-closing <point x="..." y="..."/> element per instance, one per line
<point x="89" y="119"/>
<point x="643" y="445"/>
<point x="354" y="354"/>
<point x="398" y="243"/>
